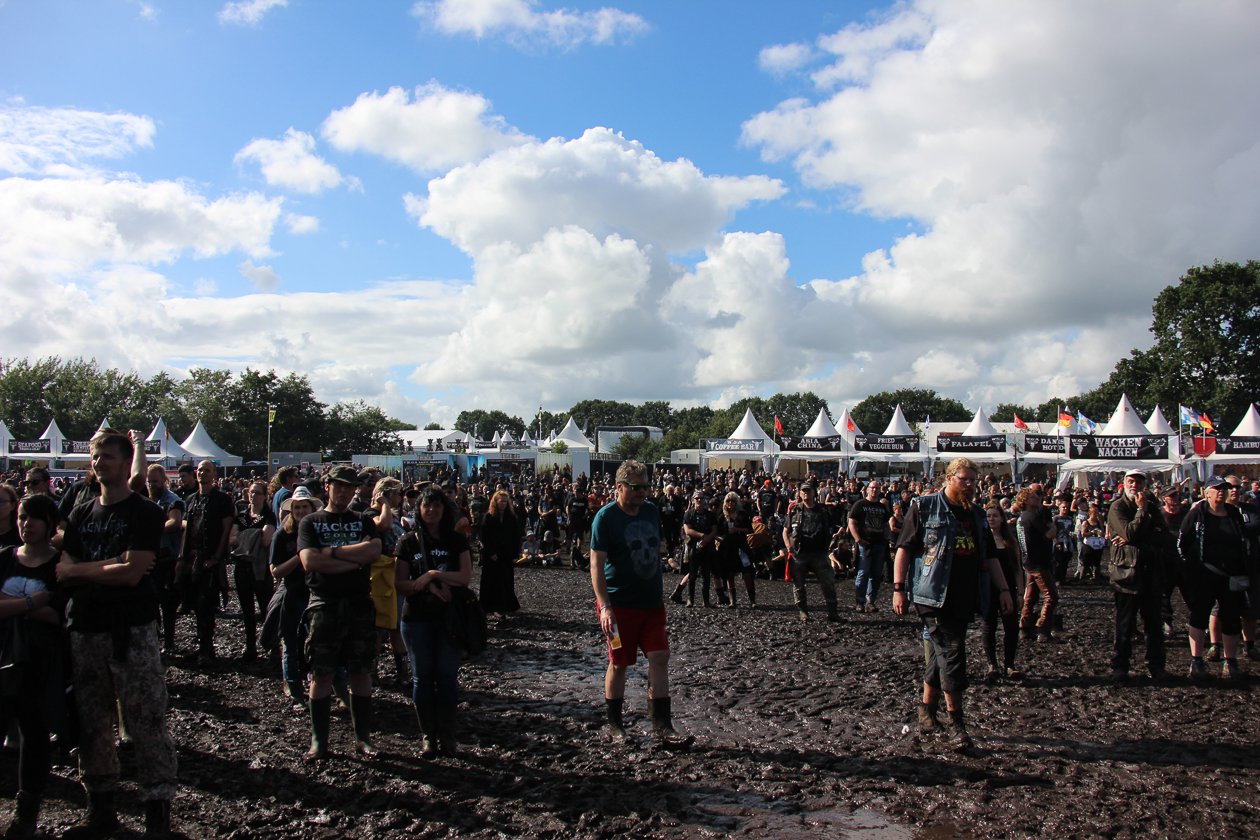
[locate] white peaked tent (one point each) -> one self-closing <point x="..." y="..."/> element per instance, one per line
<point x="979" y="428"/>
<point x="843" y="426"/>
<point x="169" y="448"/>
<point x="199" y="444"/>
<point x="54" y="436"/>
<point x="1157" y="424"/>
<point x="822" y="428"/>
<point x="748" y="429"/>
<point x="899" y="427"/>
<point x="105" y="424"/>
<point x="1124" y="422"/>
<point x="572" y="436"/>
<point x="5" y="437"/>
<point x="1248" y="428"/>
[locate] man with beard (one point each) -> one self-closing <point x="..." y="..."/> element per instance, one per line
<point x="110" y="547"/>
<point x="807" y="535"/>
<point x="337" y="547"/>
<point x="868" y="523"/>
<point x="626" y="576"/>
<point x="1136" y="527"/>
<point x="948" y="539"/>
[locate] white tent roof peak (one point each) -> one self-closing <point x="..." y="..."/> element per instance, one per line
<point x="749" y="428"/>
<point x="823" y="427"/>
<point x="170" y="449"/>
<point x="1250" y="425"/>
<point x="980" y="426"/>
<point x="53" y="433"/>
<point x="1157" y="424"/>
<point x="200" y="445"/>
<point x="1124" y="420"/>
<point x="843" y="426"/>
<point x="898" y="425"/>
<point x="573" y="436"/>
<point x="105" y="424"/>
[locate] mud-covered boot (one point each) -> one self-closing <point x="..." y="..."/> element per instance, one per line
<point x="25" y="817"/>
<point x="321" y="716"/>
<point x="101" y="821"/>
<point x="426" y="716"/>
<point x="361" y="717"/>
<point x="676" y="596"/>
<point x="446" y="741"/>
<point x="956" y="728"/>
<point x="663" y="724"/>
<point x="928" y="724"/>
<point x="157" y="818"/>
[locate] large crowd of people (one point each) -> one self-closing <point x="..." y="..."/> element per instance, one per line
<point x="339" y="572"/>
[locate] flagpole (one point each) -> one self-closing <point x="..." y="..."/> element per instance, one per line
<point x="271" y="415"/>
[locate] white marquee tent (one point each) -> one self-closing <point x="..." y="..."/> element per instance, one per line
<point x="200" y="445"/>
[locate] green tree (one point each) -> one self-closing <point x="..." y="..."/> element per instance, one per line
<point x="654" y="413"/>
<point x="1005" y="413"/>
<point x="917" y="404"/>
<point x="433" y="427"/>
<point x="356" y="428"/>
<point x="486" y="423"/>
<point x="591" y="413"/>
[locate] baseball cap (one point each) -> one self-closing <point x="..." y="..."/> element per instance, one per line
<point x="343" y="475"/>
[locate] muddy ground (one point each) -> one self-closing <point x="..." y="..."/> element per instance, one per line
<point x="798" y="734"/>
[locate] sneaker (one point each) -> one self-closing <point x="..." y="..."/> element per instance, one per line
<point x="801" y="615"/>
<point x="871" y="608"/>
<point x="991" y="675"/>
<point x="928" y="724"/>
<point x="1198" y="669"/>
<point x="1232" y="671"/>
<point x="1214" y="653"/>
<point x="1014" y="674"/>
<point x="1159" y="675"/>
<point x="859" y="608"/>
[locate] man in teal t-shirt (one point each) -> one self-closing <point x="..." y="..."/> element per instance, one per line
<point x="626" y="575"/>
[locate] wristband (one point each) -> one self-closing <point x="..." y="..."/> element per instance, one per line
<point x="899" y="586"/>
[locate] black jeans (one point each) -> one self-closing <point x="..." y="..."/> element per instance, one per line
<point x="1128" y="607"/>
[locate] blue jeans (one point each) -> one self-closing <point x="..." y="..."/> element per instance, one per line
<point x="870" y="571"/>
<point x="434" y="663"/>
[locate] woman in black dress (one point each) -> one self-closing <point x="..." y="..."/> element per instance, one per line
<point x="500" y="546"/>
<point x="1008" y="556"/>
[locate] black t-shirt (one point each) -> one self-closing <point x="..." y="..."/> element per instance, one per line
<point x="45" y="573"/>
<point x="203" y="522"/>
<point x="578" y="508"/>
<point x="699" y="520"/>
<point x="962" y="595"/>
<point x="767" y="501"/>
<point x="10" y="537"/>
<point x="324" y="529"/>
<point x="810" y="527"/>
<point x="422" y="552"/>
<point x="1038" y="549"/>
<point x="871" y="518"/>
<point x="283" y="547"/>
<point x="1223" y="545"/>
<point x="98" y="532"/>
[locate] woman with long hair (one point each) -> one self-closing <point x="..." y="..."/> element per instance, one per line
<point x="32" y="681"/>
<point x="387" y="500"/>
<point x="431" y="560"/>
<point x="500" y="546"/>
<point x="734" y="526"/>
<point x="252" y="533"/>
<point x="1093" y="541"/>
<point x="1009" y="558"/>
<point x="292" y="591"/>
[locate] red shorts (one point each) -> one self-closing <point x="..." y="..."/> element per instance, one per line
<point x="639" y="629"/>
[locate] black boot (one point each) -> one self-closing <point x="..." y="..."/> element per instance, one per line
<point x="956" y="728"/>
<point x="402" y="671"/>
<point x="427" y="718"/>
<point x="663" y="724"/>
<point x="677" y="596"/>
<point x="361" y="716"/>
<point x="157" y="818"/>
<point x="321" y="715"/>
<point x="102" y="818"/>
<point x="447" y="744"/>
<point x="25" y="817"/>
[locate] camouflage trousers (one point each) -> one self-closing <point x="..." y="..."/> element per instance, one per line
<point x="136" y="684"/>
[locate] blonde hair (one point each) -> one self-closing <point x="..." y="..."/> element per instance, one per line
<point x="385" y="485"/>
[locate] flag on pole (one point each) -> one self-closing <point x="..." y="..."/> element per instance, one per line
<point x="1189" y="417"/>
<point x="778" y="427"/>
<point x="271" y="415"/>
<point x="1206" y="423"/>
<point x="1065" y="419"/>
<point x="1085" y="423"/>
<point x="852" y="427"/>
<point x="1020" y="424"/>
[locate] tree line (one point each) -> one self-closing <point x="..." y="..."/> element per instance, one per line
<point x="1206" y="328"/>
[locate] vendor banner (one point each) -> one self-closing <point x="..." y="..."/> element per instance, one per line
<point x="1237" y="445"/>
<point x="514" y="445"/>
<point x="886" y="443"/>
<point x="792" y="443"/>
<point x="1118" y="447"/>
<point x="30" y="447"/>
<point x="964" y="443"/>
<point x="734" y="445"/>
<point x="1045" y="444"/>
<point x="76" y="447"/>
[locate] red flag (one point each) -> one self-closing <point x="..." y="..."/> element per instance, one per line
<point x="1020" y="424"/>
<point x="852" y="426"/>
<point x="1206" y="422"/>
<point x="778" y="427"/>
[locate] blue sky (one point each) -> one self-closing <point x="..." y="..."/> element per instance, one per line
<point x="462" y="204"/>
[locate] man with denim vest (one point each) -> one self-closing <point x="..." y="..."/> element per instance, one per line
<point x="955" y="557"/>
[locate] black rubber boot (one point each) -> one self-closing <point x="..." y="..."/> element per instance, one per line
<point x="102" y="819"/>
<point x="157" y="818"/>
<point x="447" y="744"/>
<point x="321" y="715"/>
<point x="25" y="817"/>
<point x="361" y="716"/>
<point x="663" y="724"/>
<point x="426" y="716"/>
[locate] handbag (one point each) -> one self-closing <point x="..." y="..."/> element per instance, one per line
<point x="466" y="621"/>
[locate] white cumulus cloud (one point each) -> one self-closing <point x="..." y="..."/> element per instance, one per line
<point x="526" y="23"/>
<point x="438" y="129"/>
<point x="248" y="12"/>
<point x="263" y="277"/>
<point x="291" y="163"/>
